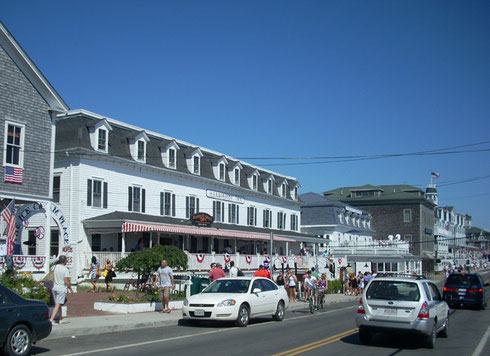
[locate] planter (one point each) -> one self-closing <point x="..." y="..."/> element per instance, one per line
<point x="129" y="308"/>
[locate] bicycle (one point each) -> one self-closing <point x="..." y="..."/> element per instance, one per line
<point x="146" y="283"/>
<point x="313" y="301"/>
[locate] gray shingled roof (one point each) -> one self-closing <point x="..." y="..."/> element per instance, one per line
<point x="72" y="132"/>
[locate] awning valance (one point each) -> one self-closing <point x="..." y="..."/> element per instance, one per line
<point x="194" y="230"/>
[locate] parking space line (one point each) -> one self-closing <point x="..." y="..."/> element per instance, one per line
<point x="482" y="343"/>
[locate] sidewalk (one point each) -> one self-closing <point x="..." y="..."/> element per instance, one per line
<point x="104" y="323"/>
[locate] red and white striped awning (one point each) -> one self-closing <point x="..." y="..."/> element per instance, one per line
<point x="194" y="230"/>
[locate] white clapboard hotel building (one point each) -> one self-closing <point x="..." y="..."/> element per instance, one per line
<point x="124" y="187"/>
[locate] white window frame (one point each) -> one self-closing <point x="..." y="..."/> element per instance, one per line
<point x="267" y="218"/>
<point x="221" y="171"/>
<point x="106" y="133"/>
<point x="138" y="158"/>
<point x="103" y="193"/>
<point x="167" y="201"/>
<point x="142" y="202"/>
<point x="233" y="213"/>
<point x="236" y="176"/>
<point x="252" y="216"/>
<point x="198" y="165"/>
<point x="218" y="211"/>
<point x="255" y="182"/>
<point x="283" y="190"/>
<point x="270" y="189"/>
<point x="172" y="163"/>
<point x="294" y="222"/>
<point x="21" y="146"/>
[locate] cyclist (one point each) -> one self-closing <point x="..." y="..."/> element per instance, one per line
<point x="310" y="287"/>
<point x="322" y="285"/>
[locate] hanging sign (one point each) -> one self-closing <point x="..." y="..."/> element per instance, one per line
<point x="202" y="219"/>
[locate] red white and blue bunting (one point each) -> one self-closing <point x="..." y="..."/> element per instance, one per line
<point x="19" y="261"/>
<point x="284" y="259"/>
<point x="248" y="259"/>
<point x="268" y="259"/>
<point x="227" y="258"/>
<point x="38" y="261"/>
<point x="200" y="257"/>
<point x="39" y="232"/>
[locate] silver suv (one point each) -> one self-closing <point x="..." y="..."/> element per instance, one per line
<point x="402" y="303"/>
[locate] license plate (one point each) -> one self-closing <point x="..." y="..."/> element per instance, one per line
<point x="390" y="311"/>
<point x="462" y="290"/>
<point x="198" y="312"/>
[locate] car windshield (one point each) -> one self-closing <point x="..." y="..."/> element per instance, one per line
<point x="228" y="286"/>
<point x="463" y="279"/>
<point x="393" y="290"/>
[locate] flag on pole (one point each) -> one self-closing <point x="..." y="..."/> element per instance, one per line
<point x="435" y="175"/>
<point x="13" y="174"/>
<point x="8" y="214"/>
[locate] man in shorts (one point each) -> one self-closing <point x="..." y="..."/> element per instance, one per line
<point x="165" y="281"/>
<point x="60" y="288"/>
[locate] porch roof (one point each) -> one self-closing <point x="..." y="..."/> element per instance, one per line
<point x="136" y="222"/>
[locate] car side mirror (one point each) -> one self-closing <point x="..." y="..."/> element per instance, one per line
<point x="256" y="290"/>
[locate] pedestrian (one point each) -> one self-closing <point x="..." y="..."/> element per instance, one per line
<point x="164" y="281"/>
<point x="94" y="274"/>
<point x="60" y="288"/>
<point x="262" y="272"/>
<point x="217" y="273"/>
<point x="109" y="274"/>
<point x="233" y="270"/>
<point x="210" y="275"/>
<point x="292" y="281"/>
<point x="280" y="280"/>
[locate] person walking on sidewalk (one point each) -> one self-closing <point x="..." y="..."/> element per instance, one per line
<point x="60" y="288"/>
<point x="94" y="273"/>
<point x="109" y="274"/>
<point x="165" y="281"/>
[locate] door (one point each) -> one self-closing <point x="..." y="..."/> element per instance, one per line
<point x="438" y="304"/>
<point x="8" y="314"/>
<point x="258" y="300"/>
<point x="271" y="292"/>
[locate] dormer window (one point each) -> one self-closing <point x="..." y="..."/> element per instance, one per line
<point x="236" y="176"/>
<point x="169" y="155"/>
<point x="171" y="158"/>
<point x="137" y="145"/>
<point x="196" y="165"/>
<point x="296" y="193"/>
<point x="102" y="139"/>
<point x="254" y="182"/>
<point x="141" y="150"/>
<point x="221" y="171"/>
<point x="99" y="135"/>
<point x="283" y="190"/>
<point x="269" y="186"/>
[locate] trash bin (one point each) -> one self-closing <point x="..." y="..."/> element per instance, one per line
<point x="196" y="285"/>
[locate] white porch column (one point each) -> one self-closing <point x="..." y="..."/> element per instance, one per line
<point x="287" y="248"/>
<point x="151" y="239"/>
<point x="47" y="242"/>
<point x="123" y="244"/>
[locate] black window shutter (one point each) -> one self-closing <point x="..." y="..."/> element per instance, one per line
<point x="229" y="213"/>
<point x="214" y="209"/>
<point x="248" y="216"/>
<point x="264" y="218"/>
<point x="197" y="205"/>
<point x="173" y="204"/>
<point x="255" y="216"/>
<point x="223" y="212"/>
<point x="187" y="215"/>
<point x="143" y="200"/>
<point x="104" y="203"/>
<point x="89" y="192"/>
<point x="237" y="210"/>
<point x="161" y="203"/>
<point x="130" y="198"/>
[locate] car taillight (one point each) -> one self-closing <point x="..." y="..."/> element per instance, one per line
<point x="450" y="289"/>
<point x="423" y="313"/>
<point x="360" y="308"/>
<point x="475" y="290"/>
<point x="47" y="314"/>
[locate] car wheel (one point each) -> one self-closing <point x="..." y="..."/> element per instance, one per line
<point x="365" y="335"/>
<point x="430" y="339"/>
<point x="19" y="341"/>
<point x="279" y="315"/>
<point x="243" y="316"/>
<point x="445" y="332"/>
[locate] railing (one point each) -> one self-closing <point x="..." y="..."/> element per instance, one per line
<point x="26" y="263"/>
<point x="102" y="257"/>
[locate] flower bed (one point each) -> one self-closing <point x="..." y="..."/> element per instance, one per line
<point x="128" y="308"/>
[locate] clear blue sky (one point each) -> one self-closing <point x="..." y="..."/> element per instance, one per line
<point x="285" y="79"/>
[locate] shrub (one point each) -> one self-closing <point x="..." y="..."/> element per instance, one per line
<point x="334" y="286"/>
<point x="25" y="286"/>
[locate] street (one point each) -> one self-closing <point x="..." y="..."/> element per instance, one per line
<point x="332" y="331"/>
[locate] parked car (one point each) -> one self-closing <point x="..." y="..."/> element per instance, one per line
<point x="465" y="289"/>
<point x="23" y="322"/>
<point x="403" y="304"/>
<point x="237" y="299"/>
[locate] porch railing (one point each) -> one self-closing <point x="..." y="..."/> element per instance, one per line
<point x="102" y="257"/>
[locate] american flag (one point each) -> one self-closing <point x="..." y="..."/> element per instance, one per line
<point x="8" y="214"/>
<point x="13" y="174"/>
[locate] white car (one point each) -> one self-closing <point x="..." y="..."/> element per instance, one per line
<point x="237" y="299"/>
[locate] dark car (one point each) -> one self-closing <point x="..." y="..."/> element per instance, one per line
<point x="23" y="322"/>
<point x="465" y="289"/>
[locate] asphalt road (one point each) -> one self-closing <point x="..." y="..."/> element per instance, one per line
<point x="331" y="331"/>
